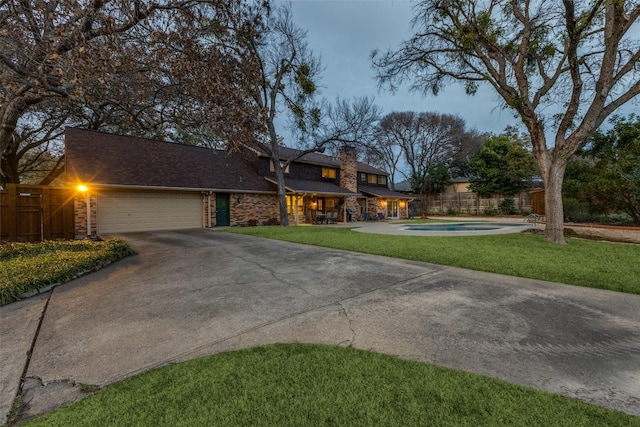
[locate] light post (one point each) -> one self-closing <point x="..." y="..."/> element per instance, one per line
<point x="84" y="189"/>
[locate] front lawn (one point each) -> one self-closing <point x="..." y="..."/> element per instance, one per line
<point x="595" y="264"/>
<point x="319" y="385"/>
<point x="26" y="267"/>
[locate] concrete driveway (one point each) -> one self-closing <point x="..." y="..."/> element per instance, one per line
<point x="197" y="292"/>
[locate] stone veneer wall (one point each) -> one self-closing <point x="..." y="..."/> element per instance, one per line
<point x="374" y="205"/>
<point x="262" y="208"/>
<point x="349" y="178"/>
<point x="211" y="202"/>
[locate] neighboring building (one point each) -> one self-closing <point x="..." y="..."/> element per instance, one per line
<point x="457" y="185"/>
<point x="137" y="184"/>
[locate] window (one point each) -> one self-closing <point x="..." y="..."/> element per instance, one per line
<point x="382" y="180"/>
<point x="329" y="173"/>
<point x="373" y="179"/>
<point x="363" y="177"/>
<point x="273" y="169"/>
<point x="291" y="202"/>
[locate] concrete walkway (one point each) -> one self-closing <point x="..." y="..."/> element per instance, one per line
<point x="198" y="292"/>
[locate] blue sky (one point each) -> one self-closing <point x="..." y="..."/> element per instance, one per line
<point x="344" y="33"/>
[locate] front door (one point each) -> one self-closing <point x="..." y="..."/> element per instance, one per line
<point x="222" y="210"/>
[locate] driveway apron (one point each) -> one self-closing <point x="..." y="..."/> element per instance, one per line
<point x="197" y="292"/>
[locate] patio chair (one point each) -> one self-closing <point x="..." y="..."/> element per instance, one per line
<point x="367" y="216"/>
<point x="380" y="216"/>
<point x="332" y="217"/>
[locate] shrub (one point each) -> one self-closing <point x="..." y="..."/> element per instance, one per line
<point x="491" y="211"/>
<point x="27" y="267"/>
<point x="507" y="206"/>
<point x="576" y="211"/>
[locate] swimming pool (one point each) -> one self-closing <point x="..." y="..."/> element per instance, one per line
<point x="465" y="226"/>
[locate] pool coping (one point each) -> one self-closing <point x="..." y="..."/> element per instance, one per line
<point x="392" y="228"/>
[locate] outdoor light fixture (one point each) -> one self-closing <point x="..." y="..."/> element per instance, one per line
<point x="82" y="188"/>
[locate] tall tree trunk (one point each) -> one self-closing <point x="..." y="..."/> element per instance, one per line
<point x="553" y="208"/>
<point x="282" y="192"/>
<point x="9" y="116"/>
<point x="279" y="171"/>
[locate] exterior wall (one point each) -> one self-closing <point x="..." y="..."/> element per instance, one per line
<point x="349" y="178"/>
<point x="80" y="213"/>
<point x="374" y="206"/>
<point x="252" y="209"/>
<point x="377" y="205"/>
<point x="458" y="187"/>
<point x="245" y="210"/>
<point x="299" y="170"/>
<point x="403" y="211"/>
<point x="209" y="221"/>
<point x="262" y="208"/>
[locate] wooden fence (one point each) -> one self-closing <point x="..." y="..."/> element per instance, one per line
<point x="32" y="213"/>
<point x="467" y="203"/>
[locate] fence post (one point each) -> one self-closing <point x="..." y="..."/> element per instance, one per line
<point x="46" y="213"/>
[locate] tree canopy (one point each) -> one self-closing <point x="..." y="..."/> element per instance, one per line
<point x="502" y="166"/>
<point x="562" y="66"/>
<point x="605" y="176"/>
<point x="427" y="144"/>
<point x="154" y="68"/>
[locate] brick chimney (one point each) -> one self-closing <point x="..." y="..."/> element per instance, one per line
<point x="349" y="177"/>
<point x="348" y="169"/>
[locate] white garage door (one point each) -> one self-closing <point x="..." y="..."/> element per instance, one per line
<point x="120" y="212"/>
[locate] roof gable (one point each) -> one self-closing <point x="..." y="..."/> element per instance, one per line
<point x="116" y="160"/>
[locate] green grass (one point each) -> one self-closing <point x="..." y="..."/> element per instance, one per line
<point x="318" y="385"/>
<point x="26" y="267"/>
<point x="595" y="264"/>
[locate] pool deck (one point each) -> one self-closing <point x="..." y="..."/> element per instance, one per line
<point x="398" y="227"/>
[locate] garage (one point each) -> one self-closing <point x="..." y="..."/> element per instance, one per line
<point x="120" y="211"/>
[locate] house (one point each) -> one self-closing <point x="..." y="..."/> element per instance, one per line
<point x="138" y="184"/>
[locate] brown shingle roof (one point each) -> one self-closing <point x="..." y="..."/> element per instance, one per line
<point x="382" y="192"/>
<point x="324" y="160"/>
<point x="106" y="159"/>
<point x="314" y="187"/>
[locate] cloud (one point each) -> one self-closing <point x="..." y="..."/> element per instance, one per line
<point x="344" y="33"/>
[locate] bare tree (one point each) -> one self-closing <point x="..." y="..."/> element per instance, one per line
<point x="385" y="153"/>
<point x="155" y="67"/>
<point x="424" y="139"/>
<point x="576" y="59"/>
